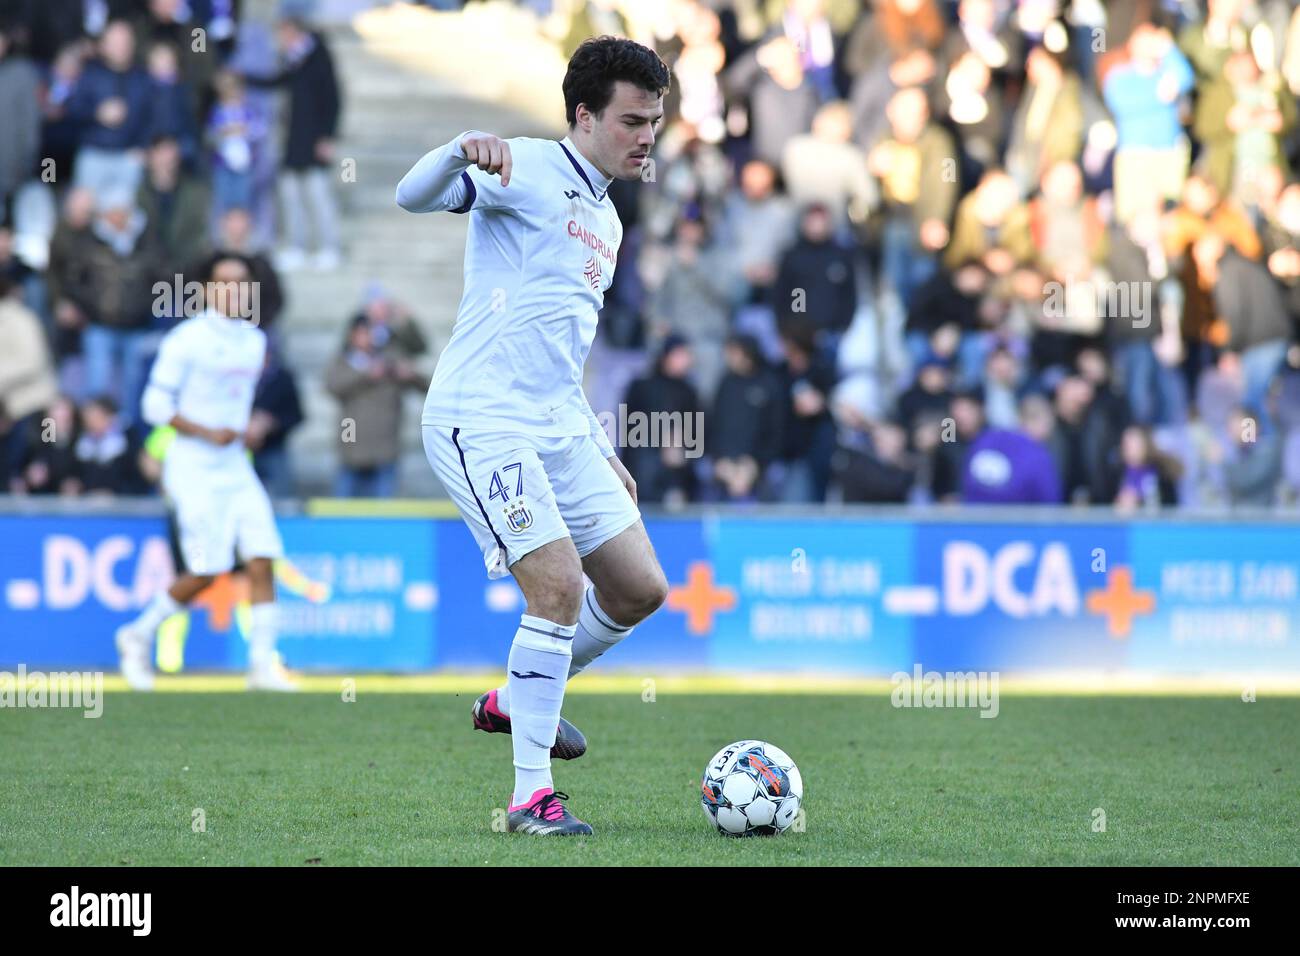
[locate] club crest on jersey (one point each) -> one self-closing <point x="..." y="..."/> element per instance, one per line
<point x="592" y="271"/>
<point x="518" y="517"/>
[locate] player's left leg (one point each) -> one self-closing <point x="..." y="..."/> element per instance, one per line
<point x="264" y="670"/>
<point x="258" y="539"/>
<point x="627" y="583"/>
<point x="627" y="586"/>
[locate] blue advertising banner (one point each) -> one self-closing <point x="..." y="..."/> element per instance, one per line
<point x="832" y="595"/>
<point x="1019" y="596"/>
<point x="69" y="582"/>
<point x="817" y="596"/>
<point x="478" y="618"/>
<point x="355" y="593"/>
<point x="1223" y="603"/>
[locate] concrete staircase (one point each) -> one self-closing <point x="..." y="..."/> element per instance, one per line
<point x="409" y="84"/>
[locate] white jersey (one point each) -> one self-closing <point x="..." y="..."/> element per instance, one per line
<point x="540" y="254"/>
<point x="207" y="371"/>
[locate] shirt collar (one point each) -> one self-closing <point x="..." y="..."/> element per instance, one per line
<point x="220" y="320"/>
<point x="596" y="181"/>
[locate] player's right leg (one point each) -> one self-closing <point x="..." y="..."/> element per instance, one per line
<point x="258" y="541"/>
<point x="134" y="639"/>
<point x="505" y="497"/>
<point x="265" y="670"/>
<point x="537" y="671"/>
<point x="454" y="457"/>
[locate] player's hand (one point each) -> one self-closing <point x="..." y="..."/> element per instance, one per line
<point x="260" y="425"/>
<point x="489" y="153"/>
<point x="624" y="476"/>
<point x="222" y="436"/>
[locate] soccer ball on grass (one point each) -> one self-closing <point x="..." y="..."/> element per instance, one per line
<point x="751" y="788"/>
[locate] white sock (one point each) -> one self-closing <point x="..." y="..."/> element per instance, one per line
<point x="263" y="632"/>
<point x="596" y="634"/>
<point x="156" y="611"/>
<point x="538" y="665"/>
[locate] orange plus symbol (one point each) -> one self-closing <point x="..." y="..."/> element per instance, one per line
<point x="699" y="598"/>
<point x="220" y="598"/>
<point x="1119" y="602"/>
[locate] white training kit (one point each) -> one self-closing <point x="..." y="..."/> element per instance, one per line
<point x="506" y="425"/>
<point x="207" y="371"/>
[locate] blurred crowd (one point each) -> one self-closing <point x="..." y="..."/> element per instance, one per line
<point x="140" y="139"/>
<point x="973" y="251"/>
<point x="1016" y="251"/>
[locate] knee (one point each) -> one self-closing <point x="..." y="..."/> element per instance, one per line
<point x="656" y="593"/>
<point x="641" y="600"/>
<point x="560" y="599"/>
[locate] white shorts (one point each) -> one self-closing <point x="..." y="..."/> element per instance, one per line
<point x="519" y="492"/>
<point x="214" y="519"/>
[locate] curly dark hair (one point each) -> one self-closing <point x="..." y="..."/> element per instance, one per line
<point x="209" y="266"/>
<point x="599" y="63"/>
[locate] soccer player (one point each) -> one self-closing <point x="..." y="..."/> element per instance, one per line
<point x="506" y="425"/>
<point x="202" y="384"/>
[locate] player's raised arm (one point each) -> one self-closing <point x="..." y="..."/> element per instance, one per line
<point x="458" y="176"/>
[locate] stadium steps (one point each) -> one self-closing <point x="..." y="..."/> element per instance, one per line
<point x="400" y="99"/>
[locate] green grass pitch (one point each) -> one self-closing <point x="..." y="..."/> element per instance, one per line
<point x="400" y="778"/>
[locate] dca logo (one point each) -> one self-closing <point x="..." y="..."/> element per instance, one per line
<point x="1025" y="579"/>
<point x="1017" y="579"/>
<point x="119" y="573"/>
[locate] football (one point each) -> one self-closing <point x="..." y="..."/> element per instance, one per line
<point x="751" y="788"/>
